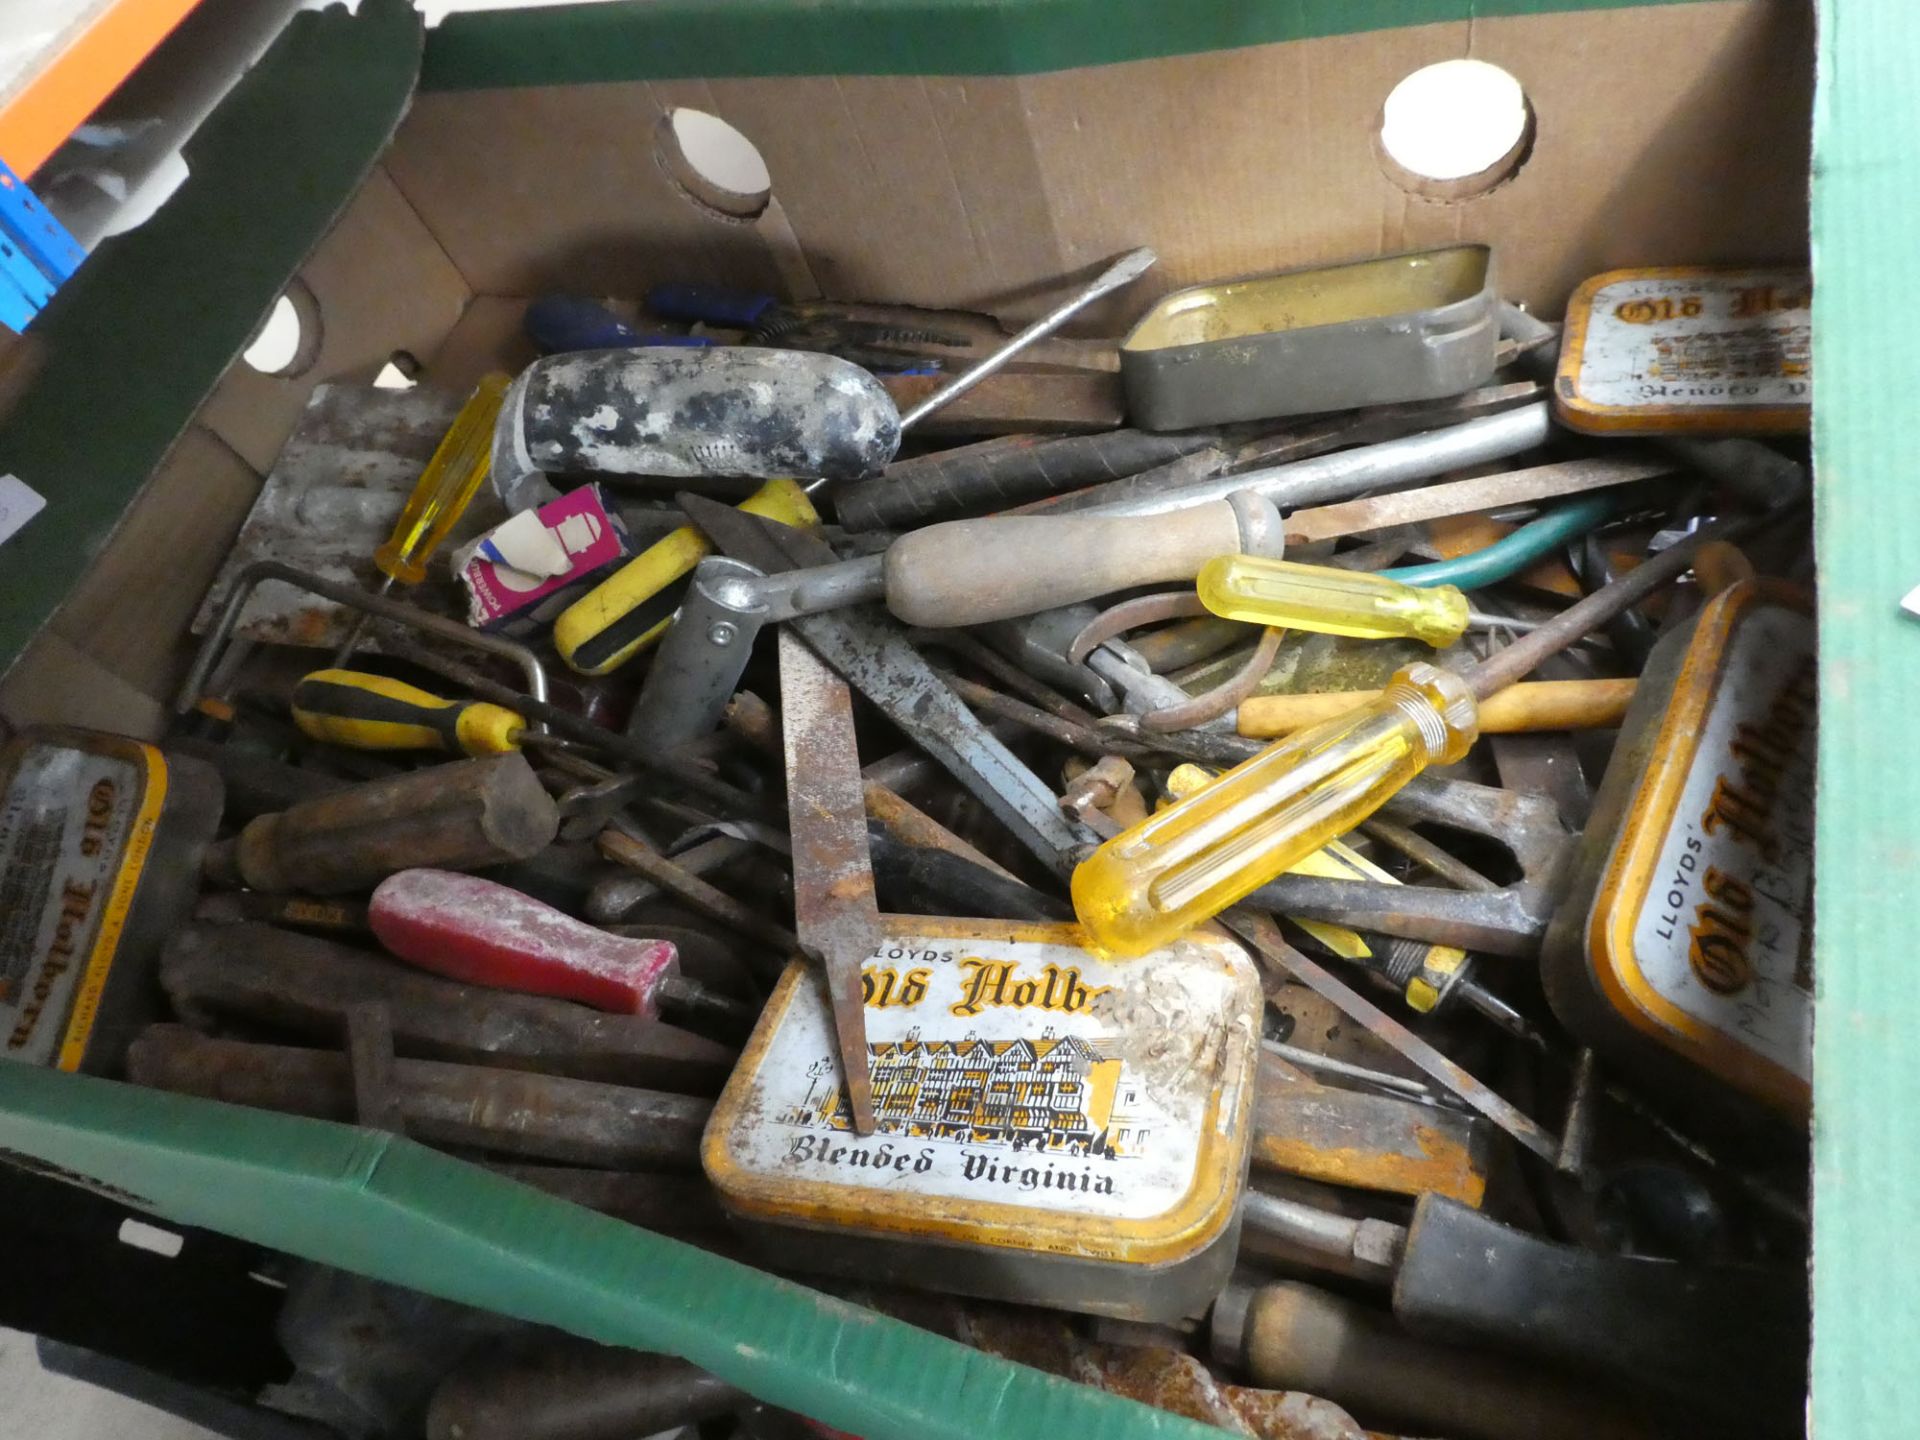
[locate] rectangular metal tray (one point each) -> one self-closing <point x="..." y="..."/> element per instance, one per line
<point x="1406" y="327"/>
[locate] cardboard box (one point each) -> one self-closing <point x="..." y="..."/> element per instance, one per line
<point x="982" y="155"/>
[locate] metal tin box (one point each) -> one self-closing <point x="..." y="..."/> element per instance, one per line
<point x="100" y="845"/>
<point x="1406" y="327"/>
<point x="1688" y="349"/>
<point x="1052" y="1128"/>
<point x="1687" y="930"/>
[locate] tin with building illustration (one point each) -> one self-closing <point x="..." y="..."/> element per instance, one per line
<point x="1051" y="1128"/>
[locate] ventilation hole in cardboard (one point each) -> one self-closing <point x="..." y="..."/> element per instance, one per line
<point x="401" y="372"/>
<point x="719" y="168"/>
<point x="288" y="340"/>
<point x="1455" y="130"/>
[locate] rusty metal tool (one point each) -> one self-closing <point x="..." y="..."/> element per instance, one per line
<point x="1282" y="1231"/>
<point x="482" y="933"/>
<point x="617" y="896"/>
<point x="251" y="576"/>
<point x="871" y="654"/>
<point x="302" y="912"/>
<point x="691" y="890"/>
<point x="1124" y="271"/>
<point x="1017" y="401"/>
<point x="463" y="815"/>
<point x="1260" y="932"/>
<point x="710" y="641"/>
<point x="1510" y="920"/>
<point x="879" y="336"/>
<point x="918" y="848"/>
<point x="834" y="910"/>
<point x="516" y="1112"/>
<point x="669" y="767"/>
<point x="1469" y="497"/>
<point x="304" y="984"/>
<point x="933" y="880"/>
<point x="337" y="489"/>
<point x="562" y="1388"/>
<point x="1365" y="1141"/>
<point x="1345" y="1071"/>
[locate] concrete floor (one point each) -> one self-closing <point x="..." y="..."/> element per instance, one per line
<point x="53" y="1407"/>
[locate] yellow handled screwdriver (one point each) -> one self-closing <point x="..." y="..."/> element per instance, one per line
<point x="1182" y="866"/>
<point x="441" y="496"/>
<point x="373" y="712"/>
<point x="630" y="609"/>
<point x="1338" y="602"/>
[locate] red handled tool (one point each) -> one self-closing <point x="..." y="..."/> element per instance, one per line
<point x="484" y="933"/>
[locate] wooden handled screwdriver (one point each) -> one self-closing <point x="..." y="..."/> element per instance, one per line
<point x="968" y="572"/>
<point x="483" y="933"/>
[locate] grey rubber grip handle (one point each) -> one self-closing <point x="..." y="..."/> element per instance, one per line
<point x="968" y="572"/>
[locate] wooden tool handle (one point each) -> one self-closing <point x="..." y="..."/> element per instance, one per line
<point x="465" y="815"/>
<point x="1302" y="1338"/>
<point x="1530" y="705"/>
<point x="967" y="572"/>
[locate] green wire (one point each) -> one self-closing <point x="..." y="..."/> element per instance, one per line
<point x="1513" y="553"/>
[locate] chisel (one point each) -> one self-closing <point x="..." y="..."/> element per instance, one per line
<point x="483" y="933"/>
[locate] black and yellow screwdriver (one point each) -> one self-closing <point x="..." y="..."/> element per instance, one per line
<point x="373" y="712"/>
<point x="441" y="496"/>
<point x="630" y="610"/>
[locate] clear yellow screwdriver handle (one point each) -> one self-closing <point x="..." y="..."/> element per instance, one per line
<point x="1182" y="866"/>
<point x="1333" y="602"/>
<point x="452" y="477"/>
